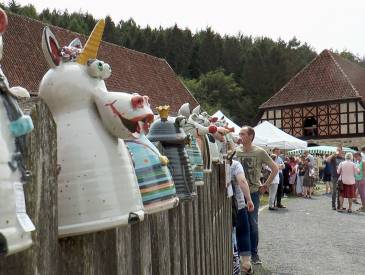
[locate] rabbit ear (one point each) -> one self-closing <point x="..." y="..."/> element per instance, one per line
<point x="196" y="110"/>
<point x="184" y="110"/>
<point x="76" y="43"/>
<point x="3" y="21"/>
<point x="51" y="48"/>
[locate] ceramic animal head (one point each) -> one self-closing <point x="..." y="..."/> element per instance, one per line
<point x="98" y="188"/>
<point x="194" y="124"/>
<point x="124" y="115"/>
<point x="76" y="81"/>
<point x="75" y="75"/>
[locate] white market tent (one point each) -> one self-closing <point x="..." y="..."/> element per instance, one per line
<point x="320" y="150"/>
<point x="267" y="135"/>
<point x="219" y="115"/>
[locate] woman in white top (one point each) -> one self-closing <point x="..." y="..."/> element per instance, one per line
<point x="346" y="169"/>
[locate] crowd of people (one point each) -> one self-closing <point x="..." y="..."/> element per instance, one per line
<point x="254" y="172"/>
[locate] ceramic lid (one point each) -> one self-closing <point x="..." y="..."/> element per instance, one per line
<point x="165" y="128"/>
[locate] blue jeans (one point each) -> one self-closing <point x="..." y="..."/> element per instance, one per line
<point x="253" y="218"/>
<point x="243" y="233"/>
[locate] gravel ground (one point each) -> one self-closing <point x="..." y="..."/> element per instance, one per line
<point x="310" y="238"/>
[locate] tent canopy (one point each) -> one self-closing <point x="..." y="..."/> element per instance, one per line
<point x="319" y="150"/>
<point x="219" y="115"/>
<point x="267" y="135"/>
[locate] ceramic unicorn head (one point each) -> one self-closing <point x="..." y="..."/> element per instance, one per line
<point x="15" y="225"/>
<point x="193" y="124"/>
<point x="98" y="188"/>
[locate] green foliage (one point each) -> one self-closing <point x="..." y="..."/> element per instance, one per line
<point x="29" y="11"/>
<point x="14" y="6"/>
<point x="217" y="91"/>
<point x="352" y="57"/>
<point x="233" y="73"/>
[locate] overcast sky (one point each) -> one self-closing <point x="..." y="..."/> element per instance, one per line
<point x="324" y="24"/>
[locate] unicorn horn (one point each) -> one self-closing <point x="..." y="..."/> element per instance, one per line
<point x="91" y="47"/>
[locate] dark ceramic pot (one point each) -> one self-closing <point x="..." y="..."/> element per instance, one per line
<point x="170" y="139"/>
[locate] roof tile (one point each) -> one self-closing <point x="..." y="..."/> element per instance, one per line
<point x="24" y="64"/>
<point x="327" y="77"/>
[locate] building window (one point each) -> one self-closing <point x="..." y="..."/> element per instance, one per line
<point x="310" y="127"/>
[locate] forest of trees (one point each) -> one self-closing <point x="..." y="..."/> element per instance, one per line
<point x="232" y="73"/>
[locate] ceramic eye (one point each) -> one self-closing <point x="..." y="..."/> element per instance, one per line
<point x="98" y="69"/>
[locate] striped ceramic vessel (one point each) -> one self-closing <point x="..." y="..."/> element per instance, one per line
<point x="155" y="182"/>
<point x="196" y="161"/>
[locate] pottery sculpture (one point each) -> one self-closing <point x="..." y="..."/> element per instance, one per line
<point x="155" y="182"/>
<point x="15" y="225"/>
<point x="196" y="148"/>
<point x="98" y="188"/>
<point x="168" y="134"/>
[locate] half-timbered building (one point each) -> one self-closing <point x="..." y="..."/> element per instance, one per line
<point x="323" y="103"/>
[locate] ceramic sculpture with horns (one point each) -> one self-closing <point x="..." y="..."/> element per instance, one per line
<point x="15" y="225"/>
<point x="98" y="188"/>
<point x="194" y="149"/>
<point x="207" y="144"/>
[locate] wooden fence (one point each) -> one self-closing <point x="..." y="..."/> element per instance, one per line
<point x="193" y="238"/>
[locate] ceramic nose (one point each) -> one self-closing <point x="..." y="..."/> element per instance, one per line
<point x="212" y="129"/>
<point x="137" y="101"/>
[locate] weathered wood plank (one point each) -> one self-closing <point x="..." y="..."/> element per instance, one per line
<point x="124" y="247"/>
<point x="174" y="231"/>
<point x="183" y="241"/>
<point x="207" y="226"/>
<point x="94" y="253"/>
<point x="214" y="237"/>
<point x="141" y="248"/>
<point x="197" y="253"/>
<point x="201" y="220"/>
<point x="160" y="243"/>
<point x="190" y="237"/>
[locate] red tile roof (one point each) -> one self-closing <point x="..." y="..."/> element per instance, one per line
<point x="327" y="77"/>
<point x="24" y="64"/>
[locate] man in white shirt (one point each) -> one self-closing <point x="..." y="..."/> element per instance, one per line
<point x="279" y="194"/>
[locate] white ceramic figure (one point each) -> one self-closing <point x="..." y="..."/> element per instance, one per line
<point x="98" y="187"/>
<point x="15" y="225"/>
<point x="128" y="117"/>
<point x="200" y="127"/>
<point x="124" y="114"/>
<point x="204" y="119"/>
<point x="193" y="124"/>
